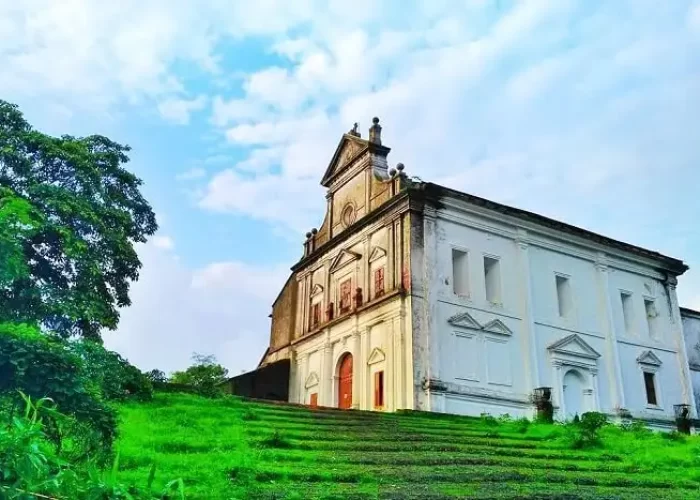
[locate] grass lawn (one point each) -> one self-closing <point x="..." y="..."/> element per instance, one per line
<point x="231" y="448"/>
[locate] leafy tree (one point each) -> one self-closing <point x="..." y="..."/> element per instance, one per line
<point x="156" y="376"/>
<point x="73" y="214"/>
<point x="110" y="374"/>
<point x="205" y="375"/>
<point x="42" y="365"/>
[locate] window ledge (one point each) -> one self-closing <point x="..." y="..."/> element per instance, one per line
<point x="654" y="407"/>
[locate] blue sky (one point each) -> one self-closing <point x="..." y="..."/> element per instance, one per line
<point x="584" y="111"/>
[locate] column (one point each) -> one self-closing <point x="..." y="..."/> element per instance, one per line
<point x="356" y="370"/>
<point x="365" y="403"/>
<point x="612" y="357"/>
<point x="293" y="376"/>
<point x="326" y="384"/>
<point x="527" y="312"/>
<point x="398" y="375"/>
<point x="303" y="367"/>
<point x="389" y="377"/>
<point x="679" y="340"/>
<point x="558" y="389"/>
<point x="596" y="392"/>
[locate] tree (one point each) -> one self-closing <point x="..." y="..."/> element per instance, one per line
<point x="156" y="376"/>
<point x="80" y="214"/>
<point x="205" y="374"/>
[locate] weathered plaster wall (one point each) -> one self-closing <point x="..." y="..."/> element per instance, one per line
<point x="283" y="316"/>
<point x="474" y="370"/>
<point x="691" y="333"/>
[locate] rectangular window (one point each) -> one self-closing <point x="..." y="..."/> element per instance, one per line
<point x="379" y="389"/>
<point x="315" y="314"/>
<point x="314" y="400"/>
<point x="650" y="309"/>
<point x="379" y="282"/>
<point x="460" y="272"/>
<point x="564" y="298"/>
<point x="627" y="311"/>
<point x="650" y="388"/>
<point x="345" y="296"/>
<point x="492" y="276"/>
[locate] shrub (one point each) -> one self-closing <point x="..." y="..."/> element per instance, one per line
<point x="585" y="433"/>
<point x="205" y="375"/>
<point x="40" y="366"/>
<point x="522" y="425"/>
<point x="277" y="440"/>
<point x="111" y="374"/>
<point x="489" y="420"/>
<point x="249" y="415"/>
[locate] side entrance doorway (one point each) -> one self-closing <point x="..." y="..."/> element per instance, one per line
<point x="345" y="382"/>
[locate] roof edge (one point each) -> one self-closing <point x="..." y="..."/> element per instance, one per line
<point x="677" y="266"/>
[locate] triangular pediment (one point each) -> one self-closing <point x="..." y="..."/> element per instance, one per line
<point x="348" y="149"/>
<point x="316" y="290"/>
<point x="311" y="380"/>
<point x="498" y="327"/>
<point x="464" y="320"/>
<point x="344" y="258"/>
<point x="649" y="358"/>
<point x="376" y="254"/>
<point x="573" y="345"/>
<point x="376" y="356"/>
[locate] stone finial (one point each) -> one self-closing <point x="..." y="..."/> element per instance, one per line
<point x="375" y="132"/>
<point x="314" y="231"/>
<point x="308" y="235"/>
<point x="400" y="167"/>
<point x="392" y="172"/>
<point x="354" y="130"/>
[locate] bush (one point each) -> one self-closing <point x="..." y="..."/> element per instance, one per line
<point x="586" y="432"/>
<point x="205" y="375"/>
<point x="110" y="374"/>
<point x="41" y="365"/>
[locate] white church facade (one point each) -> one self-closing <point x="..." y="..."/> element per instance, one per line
<point x="412" y="295"/>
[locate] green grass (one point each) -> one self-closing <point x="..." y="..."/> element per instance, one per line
<point x="230" y="448"/>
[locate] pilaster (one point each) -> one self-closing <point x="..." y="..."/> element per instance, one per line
<point x="612" y="355"/>
<point x="679" y="341"/>
<point x="357" y="370"/>
<point x="398" y="373"/>
<point x="529" y="339"/>
<point x="326" y="379"/>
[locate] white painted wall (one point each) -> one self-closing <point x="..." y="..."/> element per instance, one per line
<point x="691" y="333"/>
<point x="473" y="371"/>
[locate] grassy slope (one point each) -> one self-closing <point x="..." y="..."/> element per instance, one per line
<point x="226" y="449"/>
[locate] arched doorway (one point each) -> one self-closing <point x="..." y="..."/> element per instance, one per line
<point x="345" y="382"/>
<point x="573" y="386"/>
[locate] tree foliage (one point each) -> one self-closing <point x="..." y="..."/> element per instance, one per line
<point x="43" y="366"/>
<point x="205" y="375"/>
<point x="73" y="214"/>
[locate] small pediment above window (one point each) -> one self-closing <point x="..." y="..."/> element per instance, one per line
<point x="376" y="254"/>
<point x="344" y="258"/>
<point x="649" y="358"/>
<point x="316" y="290"/>
<point x="464" y="320"/>
<point x="573" y="345"/>
<point x="311" y="380"/>
<point x="376" y="356"/>
<point x="498" y="327"/>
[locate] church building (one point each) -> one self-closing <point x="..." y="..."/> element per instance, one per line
<point x="412" y="295"/>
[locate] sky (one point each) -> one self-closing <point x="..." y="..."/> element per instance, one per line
<point x="584" y="111"/>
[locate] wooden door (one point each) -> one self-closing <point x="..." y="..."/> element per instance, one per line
<point x="345" y="383"/>
<point x="314" y="400"/>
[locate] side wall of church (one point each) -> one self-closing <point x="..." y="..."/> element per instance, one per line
<point x="510" y="306"/>
<point x="691" y="332"/>
<point x="373" y="332"/>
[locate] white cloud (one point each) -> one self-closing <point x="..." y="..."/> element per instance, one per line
<point x="163" y="242"/>
<point x="178" y="111"/>
<point x="221" y="309"/>
<point x="694" y="18"/>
